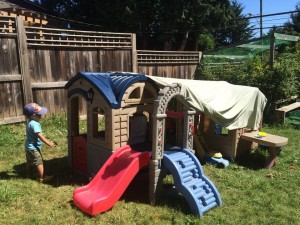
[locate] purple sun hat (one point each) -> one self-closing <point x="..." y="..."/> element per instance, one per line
<point x="33" y="108"/>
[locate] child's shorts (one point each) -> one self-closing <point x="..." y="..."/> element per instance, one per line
<point x="34" y="157"/>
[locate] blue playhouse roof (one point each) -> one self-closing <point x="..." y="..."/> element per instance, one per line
<point x="111" y="86"/>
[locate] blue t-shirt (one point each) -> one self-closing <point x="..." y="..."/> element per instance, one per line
<point x="32" y="141"/>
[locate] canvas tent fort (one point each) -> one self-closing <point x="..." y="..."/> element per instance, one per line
<point x="232" y="106"/>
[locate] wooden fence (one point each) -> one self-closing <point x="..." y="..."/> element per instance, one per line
<point x="11" y="89"/>
<point x="168" y="64"/>
<point x="36" y="63"/>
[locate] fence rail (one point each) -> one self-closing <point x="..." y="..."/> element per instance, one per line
<point x="38" y="36"/>
<point x="167" y="57"/>
<point x="7" y="25"/>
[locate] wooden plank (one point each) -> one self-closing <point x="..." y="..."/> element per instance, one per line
<point x="79" y="62"/>
<point x="62" y="71"/>
<point x="11" y="100"/>
<point x="269" y="140"/>
<point x="67" y="62"/>
<point x="37" y="97"/>
<point x="290" y="107"/>
<point x="71" y="55"/>
<point x="48" y="85"/>
<point x="9" y="57"/>
<point x="55" y="63"/>
<point x="2" y="56"/>
<point x="63" y="101"/>
<point x="6" y="59"/>
<point x="18" y="98"/>
<point x="6" y="94"/>
<point x="12" y="120"/>
<point x="134" y="54"/>
<point x="57" y="99"/>
<point x="87" y="60"/>
<point x="94" y="60"/>
<point x="24" y="60"/>
<point x="8" y="32"/>
<point x="41" y="61"/>
<point x="48" y="78"/>
<point x="13" y="77"/>
<point x="2" y="102"/>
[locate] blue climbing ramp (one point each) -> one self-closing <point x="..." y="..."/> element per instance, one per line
<point x="189" y="180"/>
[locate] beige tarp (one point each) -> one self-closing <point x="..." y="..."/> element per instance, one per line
<point x="232" y="106"/>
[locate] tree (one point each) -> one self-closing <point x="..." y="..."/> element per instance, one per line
<point x="295" y="20"/>
<point x="191" y="19"/>
<point x="291" y="27"/>
<point x="239" y="30"/>
<point x="168" y="25"/>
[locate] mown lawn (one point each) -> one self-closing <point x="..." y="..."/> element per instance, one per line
<point x="249" y="196"/>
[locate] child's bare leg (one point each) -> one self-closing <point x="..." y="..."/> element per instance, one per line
<point x="40" y="169"/>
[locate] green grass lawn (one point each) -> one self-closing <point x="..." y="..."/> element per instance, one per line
<point x="248" y="195"/>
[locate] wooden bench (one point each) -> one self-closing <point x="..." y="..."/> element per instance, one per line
<point x="273" y="142"/>
<point x="280" y="113"/>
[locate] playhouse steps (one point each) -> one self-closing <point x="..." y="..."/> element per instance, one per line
<point x="199" y="191"/>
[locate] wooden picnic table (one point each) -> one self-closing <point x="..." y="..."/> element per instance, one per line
<point x="273" y="142"/>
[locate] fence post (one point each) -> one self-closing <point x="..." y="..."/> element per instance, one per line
<point x="134" y="54"/>
<point x="272" y="50"/>
<point x="23" y="56"/>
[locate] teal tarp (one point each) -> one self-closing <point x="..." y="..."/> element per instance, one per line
<point x="293" y="117"/>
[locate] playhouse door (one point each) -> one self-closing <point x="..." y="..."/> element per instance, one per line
<point x="80" y="153"/>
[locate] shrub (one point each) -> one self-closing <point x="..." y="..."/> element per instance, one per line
<point x="281" y="82"/>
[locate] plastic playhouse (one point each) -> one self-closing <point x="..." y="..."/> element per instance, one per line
<point x="125" y="132"/>
<point x="126" y="129"/>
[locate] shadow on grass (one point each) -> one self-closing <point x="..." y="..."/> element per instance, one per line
<point x="63" y="175"/>
<point x="254" y="160"/>
<point x="171" y="198"/>
<point x="138" y="191"/>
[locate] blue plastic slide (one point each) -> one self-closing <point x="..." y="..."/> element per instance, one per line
<point x="189" y="180"/>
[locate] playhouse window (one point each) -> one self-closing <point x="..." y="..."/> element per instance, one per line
<point x="78" y="116"/>
<point x="98" y="123"/>
<point x="135" y="94"/>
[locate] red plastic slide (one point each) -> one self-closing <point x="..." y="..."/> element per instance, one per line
<point x="111" y="181"/>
